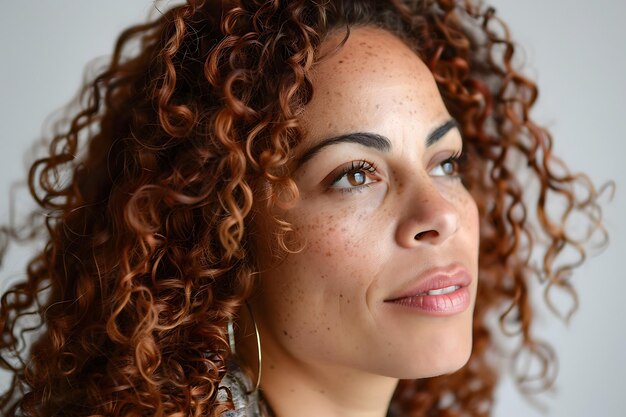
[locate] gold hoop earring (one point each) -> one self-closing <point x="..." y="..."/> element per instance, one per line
<point x="258" y="344"/>
<point x="231" y="342"/>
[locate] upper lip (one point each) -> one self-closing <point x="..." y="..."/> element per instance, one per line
<point x="435" y="278"/>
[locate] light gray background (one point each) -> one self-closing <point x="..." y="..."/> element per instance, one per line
<point x="575" y="51"/>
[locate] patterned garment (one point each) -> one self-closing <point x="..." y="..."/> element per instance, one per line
<point x="237" y="387"/>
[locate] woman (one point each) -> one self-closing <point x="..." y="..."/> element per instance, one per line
<point x="284" y="208"/>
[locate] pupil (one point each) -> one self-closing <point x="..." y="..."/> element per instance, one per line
<point x="358" y="178"/>
<point x="448" y="168"/>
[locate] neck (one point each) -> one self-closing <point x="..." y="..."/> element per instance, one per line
<point x="293" y="388"/>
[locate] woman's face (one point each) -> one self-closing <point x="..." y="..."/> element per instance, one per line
<point x="383" y="219"/>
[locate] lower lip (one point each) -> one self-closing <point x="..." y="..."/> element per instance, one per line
<point x="438" y="305"/>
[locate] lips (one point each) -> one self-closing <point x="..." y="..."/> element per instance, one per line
<point x="437" y="291"/>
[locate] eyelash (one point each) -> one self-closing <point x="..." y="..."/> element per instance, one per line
<point x="457" y="160"/>
<point x="370" y="168"/>
<point x="355" y="166"/>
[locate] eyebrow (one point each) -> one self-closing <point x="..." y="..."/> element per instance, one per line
<point x="440" y="132"/>
<point x="373" y="140"/>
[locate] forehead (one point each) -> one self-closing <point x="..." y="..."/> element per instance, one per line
<point x="373" y="82"/>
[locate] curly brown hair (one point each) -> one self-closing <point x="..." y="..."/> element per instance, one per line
<point x="146" y="197"/>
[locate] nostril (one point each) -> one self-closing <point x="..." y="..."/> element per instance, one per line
<point x="422" y="235"/>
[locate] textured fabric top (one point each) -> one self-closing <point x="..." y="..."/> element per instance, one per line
<point x="237" y="387"/>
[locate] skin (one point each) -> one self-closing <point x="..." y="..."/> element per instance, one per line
<point x="332" y="344"/>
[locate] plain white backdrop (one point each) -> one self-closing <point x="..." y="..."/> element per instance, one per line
<point x="575" y="51"/>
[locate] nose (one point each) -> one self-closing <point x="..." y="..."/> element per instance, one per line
<point x="428" y="218"/>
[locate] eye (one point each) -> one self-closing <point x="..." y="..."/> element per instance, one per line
<point x="447" y="168"/>
<point x="357" y="174"/>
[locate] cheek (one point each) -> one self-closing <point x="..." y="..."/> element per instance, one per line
<point x="323" y="236"/>
<point x="318" y="290"/>
<point x="339" y="230"/>
<point x="468" y="213"/>
<point x="335" y="257"/>
<point x="470" y="219"/>
<point x="466" y="208"/>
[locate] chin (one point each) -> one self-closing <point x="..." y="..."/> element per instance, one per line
<point x="448" y="364"/>
<point x="445" y="354"/>
<point x="447" y="350"/>
<point x="449" y="356"/>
